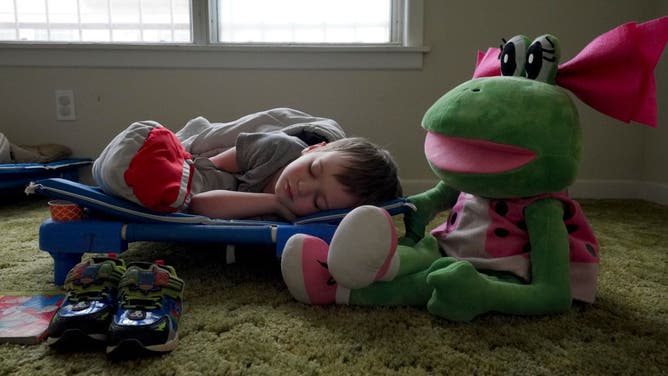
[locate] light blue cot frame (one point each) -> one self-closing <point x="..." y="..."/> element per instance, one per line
<point x="111" y="223"/>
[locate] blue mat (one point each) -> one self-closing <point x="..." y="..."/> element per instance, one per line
<point x="16" y="176"/>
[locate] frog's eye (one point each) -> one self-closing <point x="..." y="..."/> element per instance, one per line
<point x="513" y="56"/>
<point x="543" y="59"/>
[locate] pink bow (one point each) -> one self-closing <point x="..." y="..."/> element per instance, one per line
<point x="614" y="73"/>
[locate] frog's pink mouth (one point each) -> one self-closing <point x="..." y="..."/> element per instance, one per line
<point x="465" y="155"/>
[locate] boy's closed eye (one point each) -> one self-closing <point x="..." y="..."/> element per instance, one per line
<point x="315" y="170"/>
<point x="320" y="203"/>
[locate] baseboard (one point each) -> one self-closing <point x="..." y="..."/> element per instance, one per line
<point x="586" y="188"/>
<point x="621" y="189"/>
<point x="657" y="192"/>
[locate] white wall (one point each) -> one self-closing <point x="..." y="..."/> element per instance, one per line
<point x="384" y="105"/>
<point x="655" y="173"/>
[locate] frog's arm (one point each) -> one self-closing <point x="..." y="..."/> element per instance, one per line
<point x="428" y="204"/>
<point x="461" y="293"/>
<point x="550" y="288"/>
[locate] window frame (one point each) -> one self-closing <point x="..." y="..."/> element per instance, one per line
<point x="201" y="53"/>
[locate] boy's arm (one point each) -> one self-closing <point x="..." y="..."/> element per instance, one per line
<point x="225" y="204"/>
<point x="226" y="161"/>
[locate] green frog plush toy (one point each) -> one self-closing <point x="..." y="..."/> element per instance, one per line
<point x="505" y="149"/>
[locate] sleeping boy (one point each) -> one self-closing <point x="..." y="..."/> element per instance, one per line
<point x="280" y="162"/>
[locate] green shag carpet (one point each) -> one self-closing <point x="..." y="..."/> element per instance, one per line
<point x="239" y="319"/>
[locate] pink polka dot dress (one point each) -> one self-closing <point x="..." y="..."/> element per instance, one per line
<point x="492" y="235"/>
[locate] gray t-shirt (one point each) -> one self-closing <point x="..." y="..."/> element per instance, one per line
<point x="259" y="157"/>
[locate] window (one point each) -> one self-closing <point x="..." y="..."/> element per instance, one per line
<point x="304" y="21"/>
<point x="292" y="34"/>
<point x="110" y="21"/>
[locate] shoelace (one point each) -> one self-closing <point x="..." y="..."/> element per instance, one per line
<point x="144" y="303"/>
<point x="87" y="296"/>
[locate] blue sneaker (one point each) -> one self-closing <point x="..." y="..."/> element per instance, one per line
<point x="149" y="307"/>
<point x="84" y="316"/>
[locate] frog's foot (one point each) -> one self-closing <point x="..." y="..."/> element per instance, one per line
<point x="363" y="249"/>
<point x="304" y="269"/>
<point x="459" y="290"/>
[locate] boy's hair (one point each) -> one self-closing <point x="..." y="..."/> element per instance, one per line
<point x="371" y="172"/>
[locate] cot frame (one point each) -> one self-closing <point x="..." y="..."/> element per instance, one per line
<point x="109" y="224"/>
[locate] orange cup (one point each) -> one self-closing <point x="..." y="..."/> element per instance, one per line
<point x="62" y="210"/>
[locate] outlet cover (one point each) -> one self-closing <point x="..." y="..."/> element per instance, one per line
<point x="65" y="105"/>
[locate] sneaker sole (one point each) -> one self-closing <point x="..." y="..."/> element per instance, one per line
<point x="132" y="348"/>
<point x="77" y="339"/>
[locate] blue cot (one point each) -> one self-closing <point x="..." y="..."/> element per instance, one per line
<point x="16" y="176"/>
<point x="110" y="223"/>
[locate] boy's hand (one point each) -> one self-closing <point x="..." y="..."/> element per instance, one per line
<point x="283" y="210"/>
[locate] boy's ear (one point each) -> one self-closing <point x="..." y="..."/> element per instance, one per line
<point x="313" y="147"/>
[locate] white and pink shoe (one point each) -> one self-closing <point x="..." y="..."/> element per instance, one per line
<point x="363" y="249"/>
<point x="304" y="269"/>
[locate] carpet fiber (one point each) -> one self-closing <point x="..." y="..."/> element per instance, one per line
<point x="240" y="320"/>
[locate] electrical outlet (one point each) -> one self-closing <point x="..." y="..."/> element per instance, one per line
<point x="65" y="105"/>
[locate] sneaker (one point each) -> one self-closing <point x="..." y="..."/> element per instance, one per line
<point x="84" y="316"/>
<point x="305" y="272"/>
<point x="149" y="307"/>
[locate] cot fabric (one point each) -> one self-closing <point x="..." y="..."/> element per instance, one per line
<point x="113" y="207"/>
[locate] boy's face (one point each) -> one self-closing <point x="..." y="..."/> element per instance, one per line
<point x="308" y="185"/>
